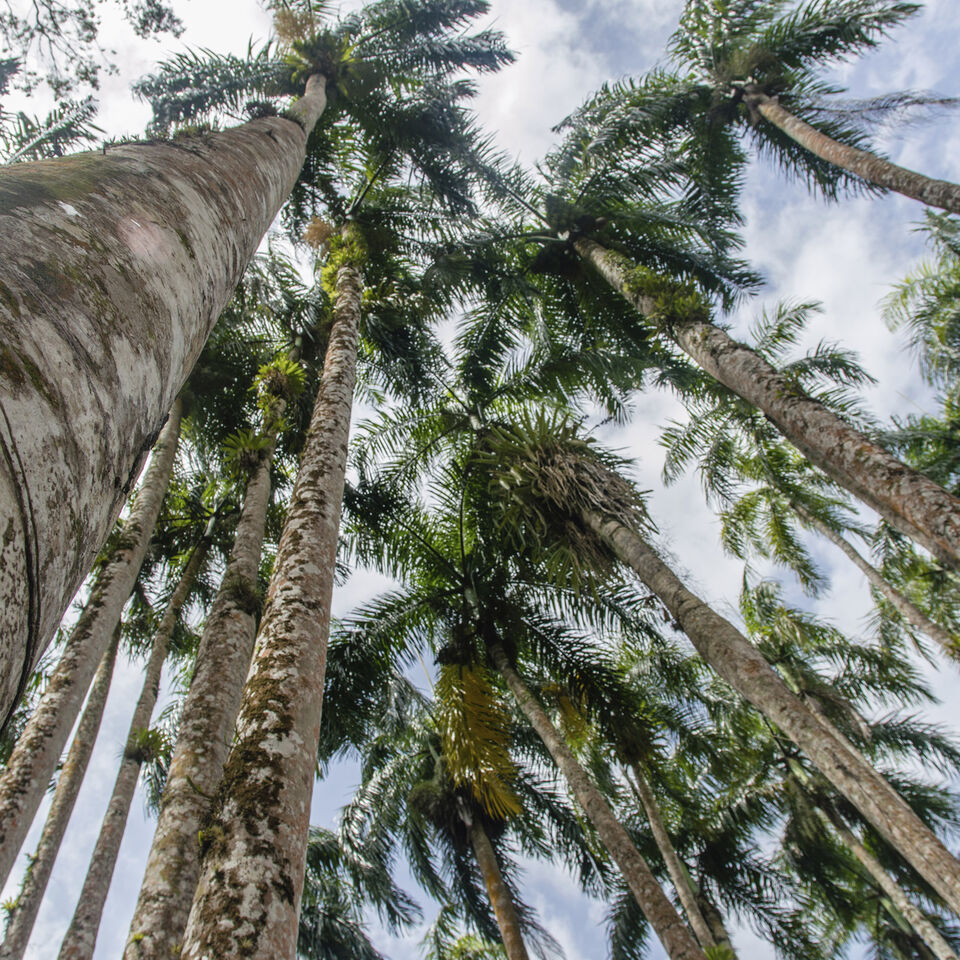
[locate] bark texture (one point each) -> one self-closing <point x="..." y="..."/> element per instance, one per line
<point x="909" y="611"/>
<point x="254" y="845"/>
<point x="504" y="909"/>
<point x="676" y="938"/>
<point x="81" y="936"/>
<point x="741" y="665"/>
<point x="204" y="737"/>
<point x="24" y="914"/>
<point x="676" y="870"/>
<point x="34" y="758"/>
<point x="868" y="166"/>
<point x="909" y="501"/>
<point x="114" y="266"/>
<point x="911" y="913"/>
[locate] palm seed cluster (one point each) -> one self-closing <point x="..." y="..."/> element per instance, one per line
<point x="541" y="682"/>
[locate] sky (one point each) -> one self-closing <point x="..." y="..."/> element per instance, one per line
<point x="844" y="255"/>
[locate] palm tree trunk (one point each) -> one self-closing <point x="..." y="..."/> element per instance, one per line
<point x="721" y="936"/>
<point x="678" y="875"/>
<point x="81" y="936"/>
<point x="501" y="900"/>
<point x="251" y="877"/>
<point x="905" y="498"/>
<point x="867" y="166"/>
<point x="741" y="665"/>
<point x="34" y="758"/>
<point x="913" y="915"/>
<point x="909" y="611"/>
<point x="114" y="266"/>
<point x="204" y="737"/>
<point x="659" y="911"/>
<point x="24" y="913"/>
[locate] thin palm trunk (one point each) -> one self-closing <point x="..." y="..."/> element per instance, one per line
<point x="867" y="166"/>
<point x="81" y="936"/>
<point x="24" y="913"/>
<point x="909" y="611"/>
<point x="34" y="758"/>
<point x="718" y="929"/>
<point x="676" y="870"/>
<point x="741" y="665"/>
<point x="204" y="736"/>
<point x="910" y="912"/>
<point x="504" y="909"/>
<point x="905" y="498"/>
<point x="659" y="911"/>
<point x="114" y="266"/>
<point x="251" y="880"/>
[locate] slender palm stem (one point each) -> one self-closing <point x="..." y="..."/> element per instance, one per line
<point x="868" y="166"/>
<point x="81" y="936"/>
<point x="909" y="501"/>
<point x="741" y="665"/>
<point x="27" y="905"/>
<point x="504" y="908"/>
<point x="909" y="611"/>
<point x="659" y="911"/>
<point x="913" y="915"/>
<point x="34" y="758"/>
<point x="251" y="878"/>
<point x="678" y="875"/>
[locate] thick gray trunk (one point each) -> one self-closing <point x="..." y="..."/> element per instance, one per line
<point x="909" y="611"/>
<point x="24" y="914"/>
<point x="909" y="501"/>
<point x="659" y="911"/>
<point x="504" y="909"/>
<point x="867" y="166"/>
<point x="204" y="738"/>
<point x="34" y="758"/>
<point x="114" y="266"/>
<point x="248" y="897"/>
<point x="741" y="665"/>
<point x="676" y="870"/>
<point x="81" y="936"/>
<point x="913" y="915"/>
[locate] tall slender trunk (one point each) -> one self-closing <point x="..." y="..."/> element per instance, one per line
<point x="204" y="737"/>
<point x="676" y="870"/>
<point x="905" y="498"/>
<point x="867" y="166"/>
<point x="909" y="611"/>
<point x="251" y="877"/>
<point x="504" y="909"/>
<point x="81" y="936"/>
<point x="911" y="913"/>
<point x="718" y="929"/>
<point x="114" y="266"/>
<point x="24" y="913"/>
<point x="659" y="911"/>
<point x="741" y="665"/>
<point x="34" y="758"/>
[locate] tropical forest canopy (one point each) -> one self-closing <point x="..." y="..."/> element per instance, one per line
<point x="506" y="539"/>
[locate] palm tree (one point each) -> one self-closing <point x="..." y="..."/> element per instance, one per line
<point x="276" y="715"/>
<point x="456" y="579"/>
<point x="35" y="756"/>
<point x="583" y="488"/>
<point x="646" y="226"/>
<point x="754" y="63"/>
<point x="23" y="915"/>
